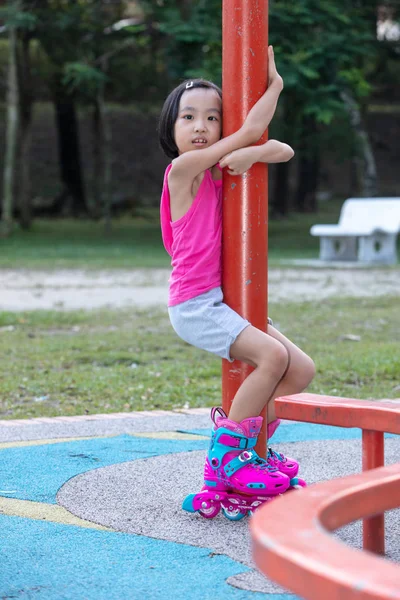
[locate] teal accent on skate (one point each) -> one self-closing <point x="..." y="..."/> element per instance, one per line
<point x="274" y="454"/>
<point x="237" y="463"/>
<point x="232" y="516"/>
<point x="187" y="504"/>
<point x="218" y="450"/>
<point x="210" y="483"/>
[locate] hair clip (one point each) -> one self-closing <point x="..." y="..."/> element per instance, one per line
<point x="189" y="84"/>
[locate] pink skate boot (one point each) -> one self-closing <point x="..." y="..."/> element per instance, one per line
<point x="236" y="479"/>
<point x="285" y="465"/>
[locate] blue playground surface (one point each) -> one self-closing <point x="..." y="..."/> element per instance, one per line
<point x="59" y="492"/>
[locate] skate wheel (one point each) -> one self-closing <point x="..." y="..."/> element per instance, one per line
<point x="233" y="515"/>
<point x="233" y="512"/>
<point x="296" y="483"/>
<point x="210" y="512"/>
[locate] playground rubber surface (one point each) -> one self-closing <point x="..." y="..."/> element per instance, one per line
<point x="90" y="507"/>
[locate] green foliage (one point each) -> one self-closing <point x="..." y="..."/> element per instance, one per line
<point x="354" y="78"/>
<point x="76" y="37"/>
<point x="82" y="77"/>
<point x="13" y="16"/>
<point x="319" y="47"/>
<point x="194" y="37"/>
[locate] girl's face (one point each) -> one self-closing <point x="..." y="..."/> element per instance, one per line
<point x="199" y="122"/>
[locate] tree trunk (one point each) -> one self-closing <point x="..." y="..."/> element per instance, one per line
<point x="364" y="173"/>
<point x="106" y="137"/>
<point x="12" y="126"/>
<point x="307" y="183"/>
<point x="308" y="169"/>
<point x="24" y="155"/>
<point x="280" y="203"/>
<point x="184" y="9"/>
<point x="98" y="161"/>
<point x="69" y="152"/>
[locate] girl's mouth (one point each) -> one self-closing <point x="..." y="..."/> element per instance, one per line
<point x="199" y="142"/>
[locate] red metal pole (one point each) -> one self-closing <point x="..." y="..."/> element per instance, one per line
<point x="245" y="198"/>
<point x="373" y="457"/>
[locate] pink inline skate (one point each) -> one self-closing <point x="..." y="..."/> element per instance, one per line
<point x="236" y="479"/>
<point x="285" y="465"/>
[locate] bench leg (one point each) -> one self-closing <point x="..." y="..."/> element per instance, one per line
<point x="378" y="248"/>
<point x="338" y="248"/>
<point x="373" y="457"/>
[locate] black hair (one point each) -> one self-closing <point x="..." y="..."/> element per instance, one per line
<point x="170" y="110"/>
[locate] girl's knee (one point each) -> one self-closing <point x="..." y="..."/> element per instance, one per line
<point x="307" y="371"/>
<point x="275" y="360"/>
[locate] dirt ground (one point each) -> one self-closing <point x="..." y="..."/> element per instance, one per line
<point x="22" y="290"/>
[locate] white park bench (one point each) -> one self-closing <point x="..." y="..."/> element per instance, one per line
<point x="367" y="231"/>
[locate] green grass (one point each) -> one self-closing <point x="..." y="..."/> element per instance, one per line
<point x="54" y="244"/>
<point x="135" y="243"/>
<point x="93" y="362"/>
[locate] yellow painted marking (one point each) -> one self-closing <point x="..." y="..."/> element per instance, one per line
<point x="50" y="441"/>
<point x="45" y="512"/>
<point x="53" y="512"/>
<point x="170" y="435"/>
<point x="162" y="435"/>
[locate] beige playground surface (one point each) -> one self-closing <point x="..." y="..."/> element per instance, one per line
<point x="71" y="289"/>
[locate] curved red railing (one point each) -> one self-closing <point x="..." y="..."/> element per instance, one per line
<point x="374" y="418"/>
<point x="303" y="557"/>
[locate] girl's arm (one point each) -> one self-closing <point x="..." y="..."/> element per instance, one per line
<point x="190" y="164"/>
<point x="240" y="161"/>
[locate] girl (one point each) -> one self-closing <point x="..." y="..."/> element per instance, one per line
<point x="191" y="221"/>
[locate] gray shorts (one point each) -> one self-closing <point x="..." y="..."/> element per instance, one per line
<point x="207" y="323"/>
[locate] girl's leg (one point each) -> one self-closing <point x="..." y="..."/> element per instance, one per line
<point x="300" y="372"/>
<point x="270" y="359"/>
<point x="280" y="368"/>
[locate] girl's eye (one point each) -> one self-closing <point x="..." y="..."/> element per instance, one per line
<point x="213" y="118"/>
<point x="188" y="117"/>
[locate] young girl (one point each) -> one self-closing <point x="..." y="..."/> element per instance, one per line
<point x="191" y="220"/>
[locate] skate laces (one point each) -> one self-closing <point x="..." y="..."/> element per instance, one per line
<point x="263" y="465"/>
<point x="276" y="455"/>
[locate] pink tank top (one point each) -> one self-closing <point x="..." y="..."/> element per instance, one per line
<point x="194" y="241"/>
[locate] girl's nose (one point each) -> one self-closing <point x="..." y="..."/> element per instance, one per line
<point x="199" y="126"/>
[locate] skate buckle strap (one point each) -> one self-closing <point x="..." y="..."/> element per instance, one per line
<point x="236" y="441"/>
<point x="239" y="461"/>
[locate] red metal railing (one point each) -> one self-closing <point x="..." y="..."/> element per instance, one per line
<point x="303" y="558"/>
<point x="374" y="418"/>
<point x="245" y="199"/>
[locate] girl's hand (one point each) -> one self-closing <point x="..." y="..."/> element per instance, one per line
<point x="238" y="162"/>
<point x="273" y="75"/>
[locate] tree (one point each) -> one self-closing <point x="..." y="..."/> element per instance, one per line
<point x="25" y="120"/>
<point x="192" y="31"/>
<point x="321" y="48"/>
<point x="19" y="24"/>
<point x="12" y="127"/>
